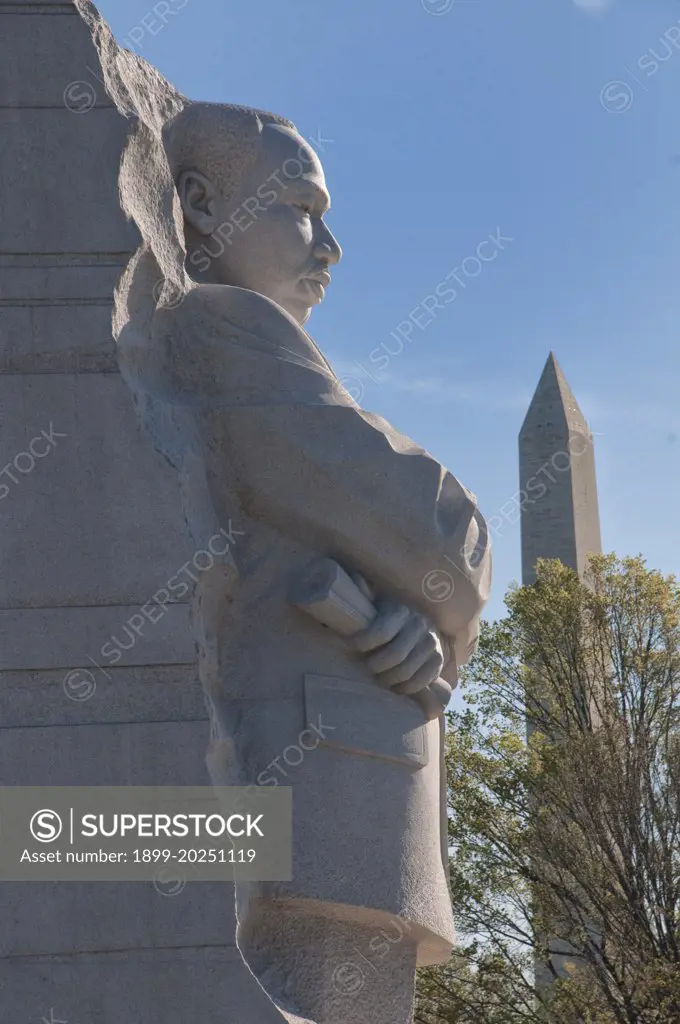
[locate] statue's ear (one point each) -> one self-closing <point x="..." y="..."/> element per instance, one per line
<point x="198" y="197"/>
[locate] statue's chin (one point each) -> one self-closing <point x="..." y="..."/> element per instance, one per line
<point x="311" y="293"/>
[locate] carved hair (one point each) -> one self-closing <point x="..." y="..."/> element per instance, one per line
<point x="221" y="140"/>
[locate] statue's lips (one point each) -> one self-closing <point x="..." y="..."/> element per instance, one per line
<point x="317" y="284"/>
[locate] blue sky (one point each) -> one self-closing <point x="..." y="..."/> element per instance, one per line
<point x="552" y="121"/>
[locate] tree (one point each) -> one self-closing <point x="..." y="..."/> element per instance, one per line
<point x="566" y="845"/>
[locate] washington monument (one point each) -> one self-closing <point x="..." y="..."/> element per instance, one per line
<point x="560" y="515"/>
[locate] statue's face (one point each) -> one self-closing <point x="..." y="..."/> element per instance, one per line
<point x="271" y="237"/>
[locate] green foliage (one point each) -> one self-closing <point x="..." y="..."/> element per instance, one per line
<point x="564" y="808"/>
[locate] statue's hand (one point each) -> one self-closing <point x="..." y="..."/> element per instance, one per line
<point x="403" y="650"/>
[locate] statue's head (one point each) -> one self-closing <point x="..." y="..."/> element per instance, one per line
<point x="228" y="194"/>
<point x="253" y="197"/>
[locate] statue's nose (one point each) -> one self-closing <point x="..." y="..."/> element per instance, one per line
<point x="327" y="248"/>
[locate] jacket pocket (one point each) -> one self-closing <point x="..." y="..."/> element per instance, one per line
<point x="364" y="719"/>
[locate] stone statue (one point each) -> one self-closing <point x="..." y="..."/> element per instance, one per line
<point x="319" y="625"/>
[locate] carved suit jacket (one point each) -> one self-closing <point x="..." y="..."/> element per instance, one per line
<point x="273" y="449"/>
<point x="295" y="464"/>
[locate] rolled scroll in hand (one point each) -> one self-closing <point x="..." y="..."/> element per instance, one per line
<point x="331" y="597"/>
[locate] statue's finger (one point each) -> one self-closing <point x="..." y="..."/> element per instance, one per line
<point x="384" y="628"/>
<point x="396" y="651"/>
<point x="364" y="586"/>
<point x="425" y="675"/>
<point x="402" y="674"/>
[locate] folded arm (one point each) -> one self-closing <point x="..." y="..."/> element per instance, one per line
<point x="303" y="457"/>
